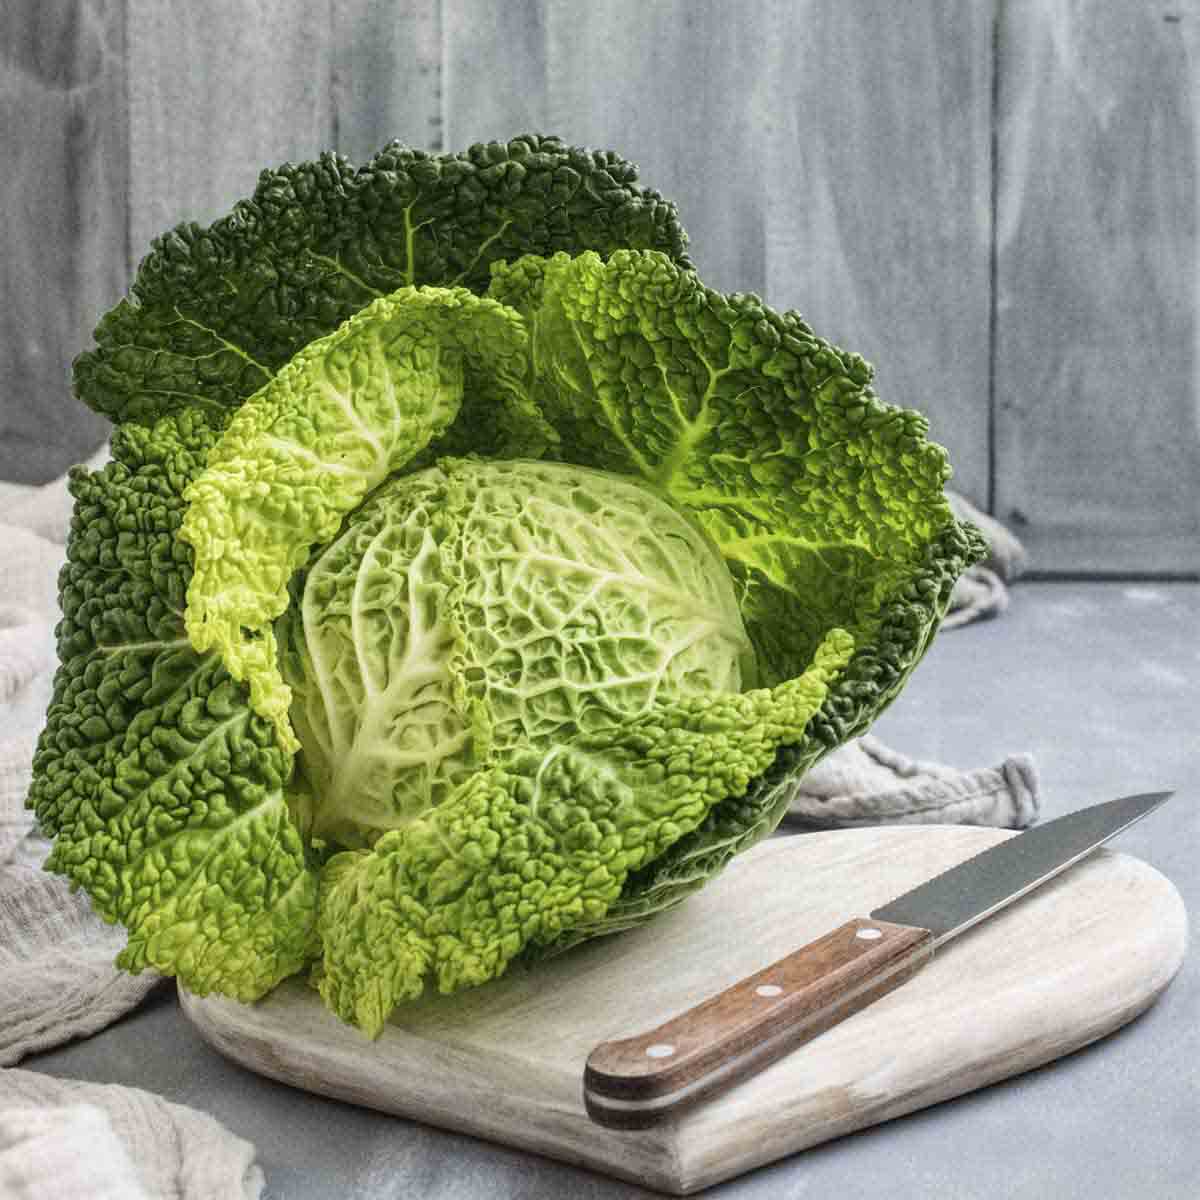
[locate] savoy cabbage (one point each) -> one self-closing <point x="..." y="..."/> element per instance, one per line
<point x="469" y="579"/>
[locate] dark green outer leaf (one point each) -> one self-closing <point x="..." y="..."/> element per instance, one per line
<point x="164" y="792"/>
<point x="214" y="312"/>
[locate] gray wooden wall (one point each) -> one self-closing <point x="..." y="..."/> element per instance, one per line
<point x="994" y="201"/>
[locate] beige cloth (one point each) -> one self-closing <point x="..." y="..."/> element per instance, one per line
<point x="65" y="1140"/>
<point x="868" y="783"/>
<point x="56" y="962"/>
<point x="89" y="1158"/>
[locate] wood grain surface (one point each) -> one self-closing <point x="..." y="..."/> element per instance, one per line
<point x="690" y="1058"/>
<point x="217" y="92"/>
<point x="877" y="183"/>
<point x="1066" y="965"/>
<point x="64" y="193"/>
<point x="1097" y="443"/>
<point x="994" y="202"/>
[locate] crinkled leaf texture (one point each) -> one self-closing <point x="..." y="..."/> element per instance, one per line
<point x="826" y="506"/>
<point x="481" y="609"/>
<point x="522" y="854"/>
<point x="601" y="350"/>
<point x="349" y="410"/>
<point x="164" y="790"/>
<point x="167" y="795"/>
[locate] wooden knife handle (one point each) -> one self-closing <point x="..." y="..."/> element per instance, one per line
<point x="640" y="1081"/>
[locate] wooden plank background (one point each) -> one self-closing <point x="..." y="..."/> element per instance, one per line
<point x="995" y="202"/>
<point x="65" y="196"/>
<point x="1097" y="419"/>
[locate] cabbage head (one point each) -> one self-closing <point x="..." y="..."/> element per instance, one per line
<point x="469" y="579"/>
<point x="478" y="610"/>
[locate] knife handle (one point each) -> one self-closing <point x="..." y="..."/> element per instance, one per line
<point x="638" y="1082"/>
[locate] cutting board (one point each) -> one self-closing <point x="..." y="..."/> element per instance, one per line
<point x="1062" y="967"/>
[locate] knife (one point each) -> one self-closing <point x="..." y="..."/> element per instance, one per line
<point x="638" y="1082"/>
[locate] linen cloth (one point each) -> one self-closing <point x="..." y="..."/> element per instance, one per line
<point x="82" y="1141"/>
<point x="56" y="975"/>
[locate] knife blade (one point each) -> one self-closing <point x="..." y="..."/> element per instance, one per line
<point x="638" y="1082"/>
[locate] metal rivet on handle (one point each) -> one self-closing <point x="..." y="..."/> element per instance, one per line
<point x="660" y="1050"/>
<point x="768" y="989"/>
<point x="869" y="935"/>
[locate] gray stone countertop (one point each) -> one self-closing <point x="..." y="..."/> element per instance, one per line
<point x="1100" y="682"/>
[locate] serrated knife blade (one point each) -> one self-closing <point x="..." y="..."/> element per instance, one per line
<point x="637" y="1082"/>
<point x="950" y="903"/>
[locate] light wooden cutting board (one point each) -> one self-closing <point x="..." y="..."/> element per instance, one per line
<point x="1062" y="967"/>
